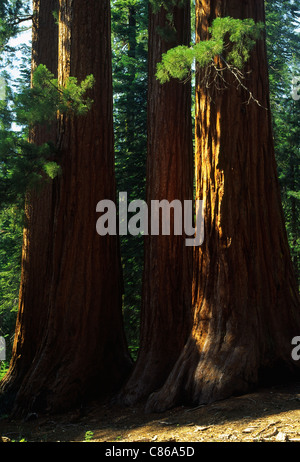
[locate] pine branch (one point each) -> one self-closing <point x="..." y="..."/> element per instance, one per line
<point x="239" y="76"/>
<point x="19" y="19"/>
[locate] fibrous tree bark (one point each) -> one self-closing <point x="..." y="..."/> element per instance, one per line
<point x="37" y="235"/>
<point x="83" y="354"/>
<point x="166" y="299"/>
<point x="245" y="295"/>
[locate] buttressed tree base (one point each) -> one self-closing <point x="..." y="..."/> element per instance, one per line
<point x="245" y="297"/>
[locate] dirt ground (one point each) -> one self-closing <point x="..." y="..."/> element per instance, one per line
<point x="270" y="415"/>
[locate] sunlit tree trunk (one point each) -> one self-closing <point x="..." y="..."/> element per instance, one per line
<point x="166" y="304"/>
<point x="245" y="296"/>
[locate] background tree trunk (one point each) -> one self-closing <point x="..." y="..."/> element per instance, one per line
<point x="245" y="295"/>
<point x="37" y="235"/>
<point x="166" y="305"/>
<point x="84" y="353"/>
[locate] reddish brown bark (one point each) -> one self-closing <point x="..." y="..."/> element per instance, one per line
<point x="84" y="353"/>
<point x="245" y="295"/>
<point x="37" y="235"/>
<point x="166" y="304"/>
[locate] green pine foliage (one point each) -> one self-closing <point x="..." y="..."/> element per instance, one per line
<point x="40" y="103"/>
<point x="22" y="163"/>
<point x="13" y="13"/>
<point x="231" y="39"/>
<point x="283" y="47"/>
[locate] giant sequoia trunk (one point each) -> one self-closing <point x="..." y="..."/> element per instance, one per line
<point x="37" y="235"/>
<point x="166" y="304"/>
<point x="245" y="296"/>
<point x="84" y="353"/>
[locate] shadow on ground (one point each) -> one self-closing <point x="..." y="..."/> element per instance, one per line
<point x="271" y="414"/>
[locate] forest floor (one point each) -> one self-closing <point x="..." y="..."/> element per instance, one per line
<point x="268" y="415"/>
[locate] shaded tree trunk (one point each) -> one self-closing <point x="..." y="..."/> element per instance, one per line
<point x="166" y="305"/>
<point x="84" y="353"/>
<point x="244" y="292"/>
<point x="37" y="235"/>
